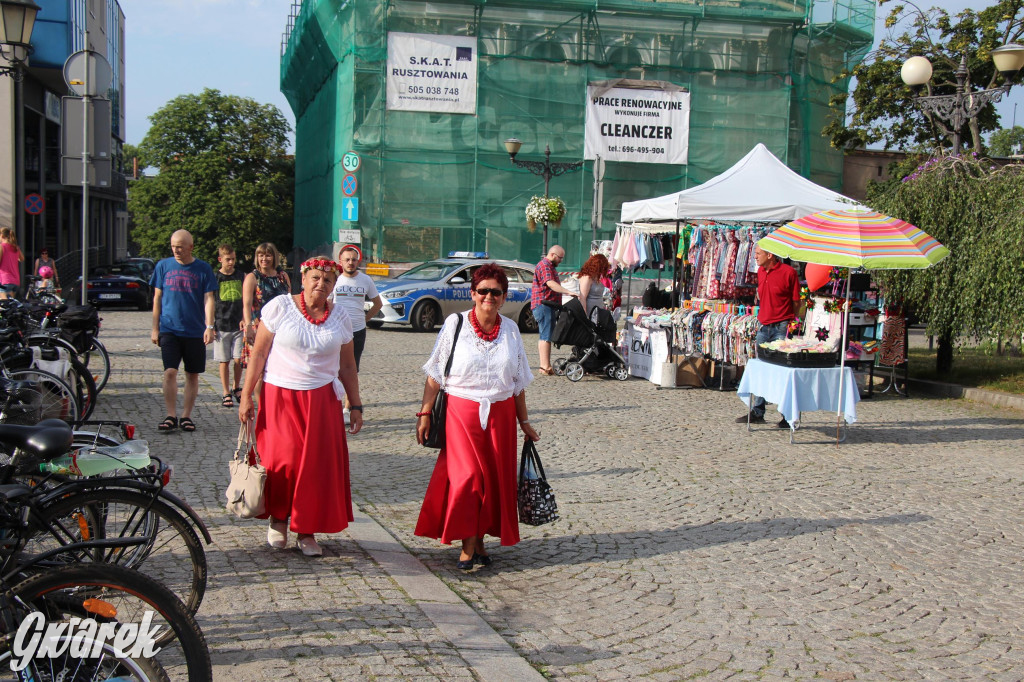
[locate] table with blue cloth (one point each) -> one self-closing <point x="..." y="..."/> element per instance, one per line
<point x="799" y="389"/>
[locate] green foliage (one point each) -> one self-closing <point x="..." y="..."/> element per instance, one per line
<point x="1007" y="141"/>
<point x="222" y="174"/>
<point x="973" y="208"/>
<point x="883" y="107"/>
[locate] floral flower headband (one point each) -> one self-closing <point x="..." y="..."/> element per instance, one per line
<point x="325" y="264"/>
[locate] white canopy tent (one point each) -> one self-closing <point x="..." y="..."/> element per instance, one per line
<point x="758" y="187"/>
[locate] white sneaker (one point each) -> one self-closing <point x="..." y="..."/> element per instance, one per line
<point x="348" y="416"/>
<point x="277" y="534"/>
<point x="309" y="546"/>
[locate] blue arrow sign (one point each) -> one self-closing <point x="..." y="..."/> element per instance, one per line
<point x="350" y="208"/>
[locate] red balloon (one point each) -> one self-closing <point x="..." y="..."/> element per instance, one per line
<point x="817" y="275"/>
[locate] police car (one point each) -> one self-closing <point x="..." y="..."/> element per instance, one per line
<point x="428" y="293"/>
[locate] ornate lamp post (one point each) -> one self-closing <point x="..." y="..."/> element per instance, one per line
<point x="545" y="169"/>
<point x="17" y="19"/>
<point x="964" y="105"/>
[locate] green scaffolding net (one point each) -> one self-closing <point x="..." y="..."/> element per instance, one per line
<point x="429" y="183"/>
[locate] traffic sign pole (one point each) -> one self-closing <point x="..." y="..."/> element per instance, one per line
<point x="85" y="186"/>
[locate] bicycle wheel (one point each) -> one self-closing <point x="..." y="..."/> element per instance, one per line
<point x="107" y="664"/>
<point x="172" y="554"/>
<point x="109" y="593"/>
<point x="97" y="359"/>
<point x="84" y="386"/>
<point x="58" y="399"/>
<point x="96" y="354"/>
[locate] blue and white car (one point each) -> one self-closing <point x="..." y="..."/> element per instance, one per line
<point x="428" y="293"/>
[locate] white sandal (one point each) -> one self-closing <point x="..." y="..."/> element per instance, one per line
<point x="277" y="534"/>
<point x="308" y="545"/>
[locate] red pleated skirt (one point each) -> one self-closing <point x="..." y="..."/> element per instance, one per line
<point x="301" y="440"/>
<point x="472" y="492"/>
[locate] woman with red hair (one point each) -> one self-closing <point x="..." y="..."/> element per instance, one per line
<point x="472" y="492"/>
<point x="591" y="288"/>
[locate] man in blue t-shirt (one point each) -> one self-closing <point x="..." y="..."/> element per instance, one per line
<point x="183" y="317"/>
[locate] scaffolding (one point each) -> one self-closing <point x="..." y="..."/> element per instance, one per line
<point x="757" y="71"/>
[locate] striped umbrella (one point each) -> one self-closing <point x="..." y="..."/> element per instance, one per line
<point x="855" y="239"/>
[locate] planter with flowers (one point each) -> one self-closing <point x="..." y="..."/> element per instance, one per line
<point x="548" y="210"/>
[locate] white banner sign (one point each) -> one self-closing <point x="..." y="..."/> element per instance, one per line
<point x="639" y="340"/>
<point x="431" y="73"/>
<point x="642" y="126"/>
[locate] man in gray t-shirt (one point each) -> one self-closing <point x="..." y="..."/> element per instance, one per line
<point x="351" y="292"/>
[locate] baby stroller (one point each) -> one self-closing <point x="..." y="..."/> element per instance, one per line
<point x="592" y="340"/>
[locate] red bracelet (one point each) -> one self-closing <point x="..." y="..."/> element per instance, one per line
<point x="422" y="414"/>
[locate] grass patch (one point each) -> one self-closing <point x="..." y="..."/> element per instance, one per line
<point x="976" y="366"/>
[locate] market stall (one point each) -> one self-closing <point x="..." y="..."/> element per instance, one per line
<point x="716" y="225"/>
<point x="854" y="239"/>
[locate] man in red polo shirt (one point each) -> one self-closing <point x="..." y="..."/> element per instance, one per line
<point x="778" y="293"/>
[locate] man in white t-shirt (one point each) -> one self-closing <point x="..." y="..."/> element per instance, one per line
<point x="351" y="292"/>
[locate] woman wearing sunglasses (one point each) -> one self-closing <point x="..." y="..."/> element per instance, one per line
<point x="472" y="492"/>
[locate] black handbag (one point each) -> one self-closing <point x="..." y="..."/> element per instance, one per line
<point x="536" y="498"/>
<point x="435" y="436"/>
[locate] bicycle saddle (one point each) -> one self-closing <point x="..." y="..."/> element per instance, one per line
<point x="48" y="439"/>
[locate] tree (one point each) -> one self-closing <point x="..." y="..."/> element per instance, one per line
<point x="222" y="174"/>
<point x="1007" y="141"/>
<point x="973" y="208"/>
<point x="883" y="107"/>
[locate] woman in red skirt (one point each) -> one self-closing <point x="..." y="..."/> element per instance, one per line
<point x="304" y="344"/>
<point x="472" y="492"/>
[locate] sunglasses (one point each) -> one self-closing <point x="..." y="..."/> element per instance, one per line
<point x="483" y="291"/>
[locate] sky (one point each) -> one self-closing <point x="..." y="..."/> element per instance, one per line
<point x="176" y="47"/>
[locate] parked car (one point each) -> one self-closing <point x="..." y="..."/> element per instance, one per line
<point x="147" y="265"/>
<point x="121" y="283"/>
<point x="425" y="295"/>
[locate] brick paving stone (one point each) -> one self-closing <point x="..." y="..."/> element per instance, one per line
<point x="686" y="544"/>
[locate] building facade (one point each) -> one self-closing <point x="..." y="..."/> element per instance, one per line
<point x="431" y="182"/>
<point x="31" y="130"/>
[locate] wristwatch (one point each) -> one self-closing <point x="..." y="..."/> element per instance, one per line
<point x="209" y="326"/>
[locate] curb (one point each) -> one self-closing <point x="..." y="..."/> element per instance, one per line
<point x="980" y="395"/>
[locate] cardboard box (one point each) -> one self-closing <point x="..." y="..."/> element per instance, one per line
<point x="692" y="371"/>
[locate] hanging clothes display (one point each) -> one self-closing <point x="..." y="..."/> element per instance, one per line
<point x="722" y="332"/>
<point x="723" y="261"/>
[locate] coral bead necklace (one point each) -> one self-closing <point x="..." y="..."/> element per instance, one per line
<point x="486" y="336"/>
<point x="305" y="314"/>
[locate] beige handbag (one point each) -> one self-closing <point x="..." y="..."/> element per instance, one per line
<point x="245" y="491"/>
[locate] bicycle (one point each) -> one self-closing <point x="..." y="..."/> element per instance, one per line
<point x="107" y="594"/>
<point x="64" y="511"/>
<point x="58" y="326"/>
<point x="49" y="294"/>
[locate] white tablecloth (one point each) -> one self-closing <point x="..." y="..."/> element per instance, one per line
<point x="799" y="389"/>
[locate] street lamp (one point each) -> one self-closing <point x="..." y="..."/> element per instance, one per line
<point x="17" y="19"/>
<point x="964" y="105"/>
<point x="546" y="170"/>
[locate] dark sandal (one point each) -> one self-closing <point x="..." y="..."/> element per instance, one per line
<point x="168" y="424"/>
<point x="227" y="401"/>
<point x="187" y="425"/>
<point x="237" y="393"/>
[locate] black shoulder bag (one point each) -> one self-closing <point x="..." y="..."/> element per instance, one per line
<point x="435" y="436"/>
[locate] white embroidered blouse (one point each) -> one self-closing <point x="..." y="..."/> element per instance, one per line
<point x="484" y="371"/>
<point x="304" y="355"/>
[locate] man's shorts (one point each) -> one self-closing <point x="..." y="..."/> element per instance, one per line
<point x="174" y="349"/>
<point x="358" y="343"/>
<point x="11" y="289"/>
<point x="228" y="346"/>
<point x="545" y="316"/>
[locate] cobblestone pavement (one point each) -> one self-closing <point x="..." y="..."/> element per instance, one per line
<point x="687" y="547"/>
